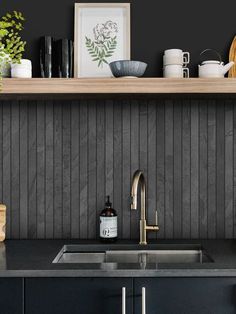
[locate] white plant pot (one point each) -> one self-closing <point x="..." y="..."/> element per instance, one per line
<point x="5" y="66"/>
<point x="22" y="69"/>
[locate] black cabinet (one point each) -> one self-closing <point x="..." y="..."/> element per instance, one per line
<point x="11" y="296"/>
<point x="77" y="295"/>
<point x="104" y="295"/>
<point x="186" y="295"/>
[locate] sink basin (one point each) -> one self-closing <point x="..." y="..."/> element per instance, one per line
<point x="81" y="258"/>
<point x="132" y="255"/>
<point x="155" y="256"/>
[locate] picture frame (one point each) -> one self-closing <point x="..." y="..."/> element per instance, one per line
<point x="101" y="35"/>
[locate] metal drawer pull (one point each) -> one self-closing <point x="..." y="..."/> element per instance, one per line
<point x="143" y="300"/>
<point x="123" y="300"/>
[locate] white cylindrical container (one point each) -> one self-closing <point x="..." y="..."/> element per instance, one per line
<point x="22" y="69"/>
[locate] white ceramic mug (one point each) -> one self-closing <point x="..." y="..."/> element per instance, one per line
<point x="176" y="56"/>
<point x="175" y="71"/>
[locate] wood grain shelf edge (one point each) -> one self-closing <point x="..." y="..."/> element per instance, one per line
<point x="118" y="86"/>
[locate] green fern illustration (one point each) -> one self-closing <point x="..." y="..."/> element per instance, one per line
<point x="100" y="53"/>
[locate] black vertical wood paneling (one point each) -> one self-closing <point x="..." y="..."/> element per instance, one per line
<point x="152" y="159"/>
<point x="15" y="170"/>
<point x="40" y="187"/>
<point x="49" y="176"/>
<point x="57" y="171"/>
<point x="143" y="138"/>
<point x="220" y="170"/>
<point x="143" y="147"/>
<point x="109" y="127"/>
<point x="134" y="159"/>
<point x="228" y="169"/>
<point x="194" y="183"/>
<point x="160" y="164"/>
<point x="92" y="156"/>
<point x="66" y="152"/>
<point x="169" y="169"/>
<point x="74" y="192"/>
<point x="23" y="170"/>
<point x="83" y="169"/>
<point x="203" y="183"/>
<point x="32" y="171"/>
<point x="117" y="162"/>
<point x="186" y="168"/>
<point x="211" y="171"/>
<point x="6" y="162"/>
<point x="126" y="170"/>
<point x="177" y="169"/>
<point x="59" y="159"/>
<point x="101" y="159"/>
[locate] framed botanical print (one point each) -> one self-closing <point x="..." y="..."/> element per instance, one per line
<point x="102" y="35"/>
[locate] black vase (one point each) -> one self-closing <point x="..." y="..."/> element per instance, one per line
<point x="63" y="58"/>
<point x="46" y="56"/>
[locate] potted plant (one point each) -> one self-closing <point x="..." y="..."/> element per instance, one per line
<point x="11" y="44"/>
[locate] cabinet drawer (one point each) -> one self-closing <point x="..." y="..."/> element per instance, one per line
<point x="187" y="295"/>
<point x="77" y="295"/>
<point x="11" y="296"/>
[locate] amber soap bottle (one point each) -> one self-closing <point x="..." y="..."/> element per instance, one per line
<point x="108" y="223"/>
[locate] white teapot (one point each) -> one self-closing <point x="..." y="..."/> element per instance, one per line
<point x="213" y="68"/>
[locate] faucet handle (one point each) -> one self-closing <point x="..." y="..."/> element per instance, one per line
<point x="153" y="227"/>
<point x="156" y="218"/>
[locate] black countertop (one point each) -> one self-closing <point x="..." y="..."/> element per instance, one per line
<point x="33" y="258"/>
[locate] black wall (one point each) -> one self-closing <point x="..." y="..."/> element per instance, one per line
<point x="156" y="26"/>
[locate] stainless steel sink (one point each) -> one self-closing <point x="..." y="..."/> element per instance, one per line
<point x="74" y="254"/>
<point x="155" y="256"/>
<point x="80" y="258"/>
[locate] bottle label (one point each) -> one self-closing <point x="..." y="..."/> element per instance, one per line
<point x="108" y="227"/>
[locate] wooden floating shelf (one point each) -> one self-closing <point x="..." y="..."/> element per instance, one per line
<point x="54" y="86"/>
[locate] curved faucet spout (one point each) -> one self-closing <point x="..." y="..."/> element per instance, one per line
<point x="138" y="177"/>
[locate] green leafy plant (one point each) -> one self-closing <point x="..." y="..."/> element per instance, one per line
<point x="101" y="55"/>
<point x="104" y="44"/>
<point x="11" y="44"/>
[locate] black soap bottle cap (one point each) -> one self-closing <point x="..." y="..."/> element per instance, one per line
<point x="108" y="203"/>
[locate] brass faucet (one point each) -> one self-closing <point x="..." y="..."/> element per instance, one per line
<point x="139" y="177"/>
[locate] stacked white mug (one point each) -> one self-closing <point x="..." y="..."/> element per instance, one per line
<point x="175" y="63"/>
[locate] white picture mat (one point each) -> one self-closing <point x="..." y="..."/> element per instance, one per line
<point x="86" y="18"/>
